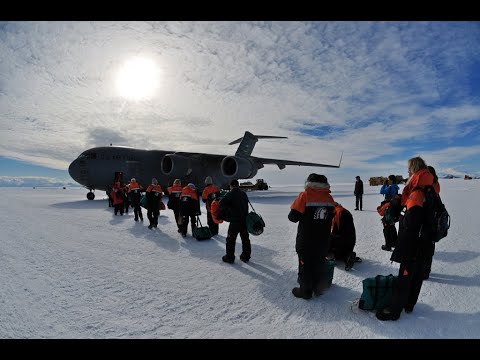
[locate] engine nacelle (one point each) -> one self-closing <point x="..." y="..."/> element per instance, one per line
<point x="238" y="167"/>
<point x="179" y="166"/>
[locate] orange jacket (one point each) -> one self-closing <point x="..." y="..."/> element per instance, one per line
<point x="176" y="190"/>
<point x="410" y="197"/>
<point x="209" y="189"/>
<point x="214" y="211"/>
<point x="190" y="192"/>
<point x="312" y="197"/>
<point x="134" y="186"/>
<point x="154" y="188"/>
<point x="336" y="218"/>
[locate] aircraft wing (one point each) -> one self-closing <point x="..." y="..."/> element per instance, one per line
<point x="282" y="163"/>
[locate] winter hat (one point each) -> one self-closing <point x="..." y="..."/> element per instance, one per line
<point x="317" y="178"/>
<point x="192" y="185"/>
<point x="177" y="181"/>
<point x="133" y="180"/>
<point x="208" y="180"/>
<point x="234" y="183"/>
<point x="154" y="181"/>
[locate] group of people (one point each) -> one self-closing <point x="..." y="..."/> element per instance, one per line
<point x="325" y="228"/>
<point x="185" y="204"/>
<point x="319" y="217"/>
<point x="231" y="207"/>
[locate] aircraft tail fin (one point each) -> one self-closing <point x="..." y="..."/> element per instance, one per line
<point x="248" y="141"/>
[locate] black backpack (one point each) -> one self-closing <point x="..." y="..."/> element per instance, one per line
<point x="437" y="219"/>
<point x="392" y="213"/>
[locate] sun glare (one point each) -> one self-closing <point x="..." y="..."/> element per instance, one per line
<point x="138" y="79"/>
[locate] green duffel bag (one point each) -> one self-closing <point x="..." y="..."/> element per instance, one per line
<point x="143" y="201"/>
<point x="255" y="223"/>
<point x="201" y="232"/>
<point x="377" y="292"/>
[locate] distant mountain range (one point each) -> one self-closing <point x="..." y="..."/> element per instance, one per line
<point x="30" y="181"/>
<point x="450" y="176"/>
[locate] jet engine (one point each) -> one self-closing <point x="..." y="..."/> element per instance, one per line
<point x="179" y="166"/>
<point x="238" y="167"/>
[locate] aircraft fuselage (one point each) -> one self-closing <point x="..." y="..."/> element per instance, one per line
<point x="95" y="168"/>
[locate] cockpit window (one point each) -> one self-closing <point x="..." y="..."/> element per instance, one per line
<point x="88" y="156"/>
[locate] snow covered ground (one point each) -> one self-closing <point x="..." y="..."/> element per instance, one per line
<point x="69" y="268"/>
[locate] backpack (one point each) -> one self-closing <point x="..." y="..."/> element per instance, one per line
<point x="390" y="210"/>
<point x="437" y="219"/>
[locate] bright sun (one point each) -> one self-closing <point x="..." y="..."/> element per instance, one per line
<point x="138" y="79"/>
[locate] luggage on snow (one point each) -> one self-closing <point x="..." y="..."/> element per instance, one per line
<point x="377" y="292"/>
<point x="201" y="232"/>
<point x="255" y="223"/>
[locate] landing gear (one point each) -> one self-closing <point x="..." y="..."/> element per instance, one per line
<point x="90" y="196"/>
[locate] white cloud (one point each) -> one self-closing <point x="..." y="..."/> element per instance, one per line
<point x="375" y="82"/>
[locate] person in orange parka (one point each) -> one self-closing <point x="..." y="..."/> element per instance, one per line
<point x="313" y="209"/>
<point x="134" y="190"/>
<point x="173" y="203"/>
<point x="411" y="247"/>
<point x="214" y="208"/>
<point x="117" y="196"/>
<point x="154" y="197"/>
<point x="208" y="195"/>
<point x="189" y="207"/>
<point x="430" y="249"/>
<point x="343" y="237"/>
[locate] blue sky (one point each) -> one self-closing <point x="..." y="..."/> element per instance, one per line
<point x="381" y="92"/>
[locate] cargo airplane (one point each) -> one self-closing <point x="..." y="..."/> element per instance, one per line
<point x="96" y="168"/>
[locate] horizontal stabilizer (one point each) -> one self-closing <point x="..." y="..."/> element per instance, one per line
<point x="259" y="137"/>
<point x="247" y="143"/>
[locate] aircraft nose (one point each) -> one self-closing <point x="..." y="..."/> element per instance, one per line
<point x="74" y="170"/>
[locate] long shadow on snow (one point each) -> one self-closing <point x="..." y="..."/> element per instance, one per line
<point x="82" y="204"/>
<point x="455" y="257"/>
<point x="157" y="236"/>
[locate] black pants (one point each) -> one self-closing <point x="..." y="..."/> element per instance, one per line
<point x="211" y="224"/>
<point x="390" y="235"/>
<point x="176" y="213"/>
<point x="429" y="252"/>
<point x="152" y="215"/>
<point x="137" y="211"/>
<point x="408" y="285"/>
<point x="311" y="274"/>
<point x="118" y="208"/>
<point x="184" y="226"/>
<point x="358" y="201"/>
<point x="341" y="247"/>
<point x="233" y="230"/>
